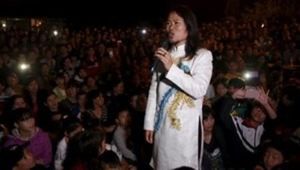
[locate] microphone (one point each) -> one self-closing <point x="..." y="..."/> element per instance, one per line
<point x="164" y="44"/>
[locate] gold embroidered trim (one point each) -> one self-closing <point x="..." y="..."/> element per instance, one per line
<point x="179" y="98"/>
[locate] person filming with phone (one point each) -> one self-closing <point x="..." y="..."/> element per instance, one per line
<point x="242" y="115"/>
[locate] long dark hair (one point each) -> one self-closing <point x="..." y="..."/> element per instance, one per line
<point x="190" y="20"/>
<point x="84" y="148"/>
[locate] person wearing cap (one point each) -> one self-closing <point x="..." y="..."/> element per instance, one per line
<point x="17" y="157"/>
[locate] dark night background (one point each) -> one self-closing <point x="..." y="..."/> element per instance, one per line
<point x="112" y="11"/>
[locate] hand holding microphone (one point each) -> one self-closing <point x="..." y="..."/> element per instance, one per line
<point x="163" y="56"/>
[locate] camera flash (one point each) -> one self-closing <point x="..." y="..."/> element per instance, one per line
<point x="144" y="31"/>
<point x="55" y="32"/>
<point x="24" y="66"/>
<point x="247" y="75"/>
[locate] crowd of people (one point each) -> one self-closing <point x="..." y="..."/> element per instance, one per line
<point x="81" y="103"/>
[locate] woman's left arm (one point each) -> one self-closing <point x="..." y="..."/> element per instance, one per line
<point x="196" y="83"/>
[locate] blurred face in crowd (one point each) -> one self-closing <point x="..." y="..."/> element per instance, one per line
<point x="133" y="101"/>
<point x="45" y="69"/>
<point x="119" y="88"/>
<point x="52" y="103"/>
<point x="82" y="73"/>
<point x="263" y="78"/>
<point x="48" y="54"/>
<point x="75" y="131"/>
<point x="27" y="162"/>
<point x="233" y="66"/>
<point x="91" y="53"/>
<point x="286" y="101"/>
<point x="258" y="115"/>
<point x="272" y="158"/>
<point x="13" y="80"/>
<point x="66" y="78"/>
<point x="68" y="63"/>
<point x="221" y="90"/>
<point x="208" y="123"/>
<point x="176" y="29"/>
<point x="2" y="87"/>
<point x="234" y="90"/>
<point x="19" y="102"/>
<point x="123" y="118"/>
<point x="99" y="101"/>
<point x="141" y="102"/>
<point x="82" y="100"/>
<point x="91" y="82"/>
<point x="33" y="86"/>
<point x="60" y="82"/>
<point x="72" y="92"/>
<point x="64" y="51"/>
<point x="27" y="125"/>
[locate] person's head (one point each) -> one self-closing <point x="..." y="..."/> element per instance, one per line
<point x="182" y="27"/>
<point x="141" y="102"/>
<point x="123" y="117"/>
<point x="24" y="120"/>
<point x="95" y="98"/>
<point x="208" y="119"/>
<point x="109" y="161"/>
<point x="85" y="147"/>
<point x="71" y="90"/>
<point x="91" y="52"/>
<point x="45" y="69"/>
<point x="275" y="154"/>
<point x="221" y="86"/>
<point x="263" y="77"/>
<point x="90" y="81"/>
<point x="32" y="85"/>
<point x="118" y="87"/>
<point x="18" y="101"/>
<point x="133" y="101"/>
<point x="89" y="121"/>
<point x="67" y="63"/>
<point x="290" y="95"/>
<point x="12" y="79"/>
<point x="81" y="98"/>
<point x="235" y="84"/>
<point x="232" y="66"/>
<point x="67" y="77"/>
<point x="71" y="126"/>
<point x="51" y="102"/>
<point x="258" y="113"/>
<point x="82" y="73"/>
<point x="17" y="157"/>
<point x="2" y="85"/>
<point x="60" y="80"/>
